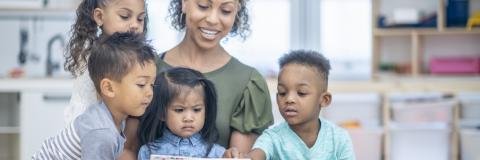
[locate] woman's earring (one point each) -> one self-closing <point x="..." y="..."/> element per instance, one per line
<point x="99" y="30"/>
<point x="181" y="17"/>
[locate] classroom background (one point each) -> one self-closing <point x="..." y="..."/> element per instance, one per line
<point x="405" y="75"/>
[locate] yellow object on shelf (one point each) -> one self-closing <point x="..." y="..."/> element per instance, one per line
<point x="350" y="124"/>
<point x="473" y="20"/>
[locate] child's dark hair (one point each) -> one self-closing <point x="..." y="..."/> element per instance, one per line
<point x="309" y="58"/>
<point x="84" y="34"/>
<point x="241" y="26"/>
<point x="114" y="56"/>
<point x="168" y="85"/>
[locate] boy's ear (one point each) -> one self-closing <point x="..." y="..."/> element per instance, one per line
<point x="107" y="88"/>
<point x="325" y="99"/>
<point x="98" y="16"/>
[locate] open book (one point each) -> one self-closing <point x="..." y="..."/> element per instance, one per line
<point x="165" y="157"/>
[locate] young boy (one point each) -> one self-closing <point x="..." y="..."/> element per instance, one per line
<point x="302" y="93"/>
<point x="123" y="70"/>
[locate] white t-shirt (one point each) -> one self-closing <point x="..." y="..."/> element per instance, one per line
<point x="83" y="96"/>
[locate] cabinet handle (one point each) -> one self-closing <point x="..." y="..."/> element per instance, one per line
<point x="56" y="97"/>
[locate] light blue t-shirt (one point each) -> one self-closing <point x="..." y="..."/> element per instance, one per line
<point x="173" y="145"/>
<point x="281" y="142"/>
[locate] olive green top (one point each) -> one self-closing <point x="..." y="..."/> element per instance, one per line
<point x="243" y="99"/>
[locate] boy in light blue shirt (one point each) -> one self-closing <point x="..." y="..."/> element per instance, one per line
<point x="302" y="93"/>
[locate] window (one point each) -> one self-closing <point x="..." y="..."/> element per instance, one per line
<point x="160" y="32"/>
<point x="269" y="39"/>
<point x="345" y="33"/>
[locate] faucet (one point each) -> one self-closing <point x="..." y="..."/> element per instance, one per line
<point x="22" y="55"/>
<point x="51" y="66"/>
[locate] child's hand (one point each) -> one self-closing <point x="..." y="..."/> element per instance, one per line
<point x="233" y="153"/>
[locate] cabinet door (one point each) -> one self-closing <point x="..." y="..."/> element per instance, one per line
<point x="41" y="116"/>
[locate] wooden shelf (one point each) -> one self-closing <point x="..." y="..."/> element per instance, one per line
<point x="400" y="31"/>
<point x="423" y="31"/>
<point x="417" y="38"/>
<point x="39" y="9"/>
<point x="454" y="78"/>
<point x="417" y="79"/>
<point x="36" y="13"/>
<point x="390" y="83"/>
<point x="9" y="130"/>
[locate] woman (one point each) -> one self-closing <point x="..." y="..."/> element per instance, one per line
<point x="244" y="106"/>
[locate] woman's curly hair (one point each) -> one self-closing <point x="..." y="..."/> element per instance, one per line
<point x="84" y="34"/>
<point x="241" y="26"/>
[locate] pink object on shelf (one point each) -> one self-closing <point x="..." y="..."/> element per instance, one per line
<point x="455" y="65"/>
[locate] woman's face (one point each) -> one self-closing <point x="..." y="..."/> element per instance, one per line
<point x="208" y="21"/>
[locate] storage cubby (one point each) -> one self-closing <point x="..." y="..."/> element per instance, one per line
<point x="469" y="125"/>
<point x="411" y="122"/>
<point x="9" y="125"/>
<point x="9" y="146"/>
<point x="9" y="113"/>
<point x="422" y="125"/>
<point x="408" y="51"/>
<point x="361" y="114"/>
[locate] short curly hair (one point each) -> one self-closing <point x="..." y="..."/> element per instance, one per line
<point x="114" y="56"/>
<point x="241" y="26"/>
<point x="307" y="58"/>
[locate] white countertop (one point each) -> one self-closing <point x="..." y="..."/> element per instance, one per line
<point x="66" y="84"/>
<point x="35" y="84"/>
<point x="455" y="84"/>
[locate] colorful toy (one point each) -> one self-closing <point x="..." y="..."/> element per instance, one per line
<point x="473" y="20"/>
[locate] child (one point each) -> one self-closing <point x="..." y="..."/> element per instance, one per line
<point x="302" y="93"/>
<point x="96" y="18"/>
<point x="123" y="70"/>
<point x="181" y="118"/>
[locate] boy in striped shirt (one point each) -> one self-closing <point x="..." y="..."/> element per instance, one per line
<point x="122" y="67"/>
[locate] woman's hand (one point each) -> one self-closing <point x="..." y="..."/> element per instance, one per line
<point x="256" y="154"/>
<point x="233" y="153"/>
<point x="243" y="142"/>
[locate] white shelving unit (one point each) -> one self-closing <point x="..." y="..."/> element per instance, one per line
<point x="31" y="110"/>
<point x="414" y="42"/>
<point x="9" y="126"/>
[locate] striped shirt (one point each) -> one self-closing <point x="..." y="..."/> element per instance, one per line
<point x="64" y="146"/>
<point x="92" y="135"/>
